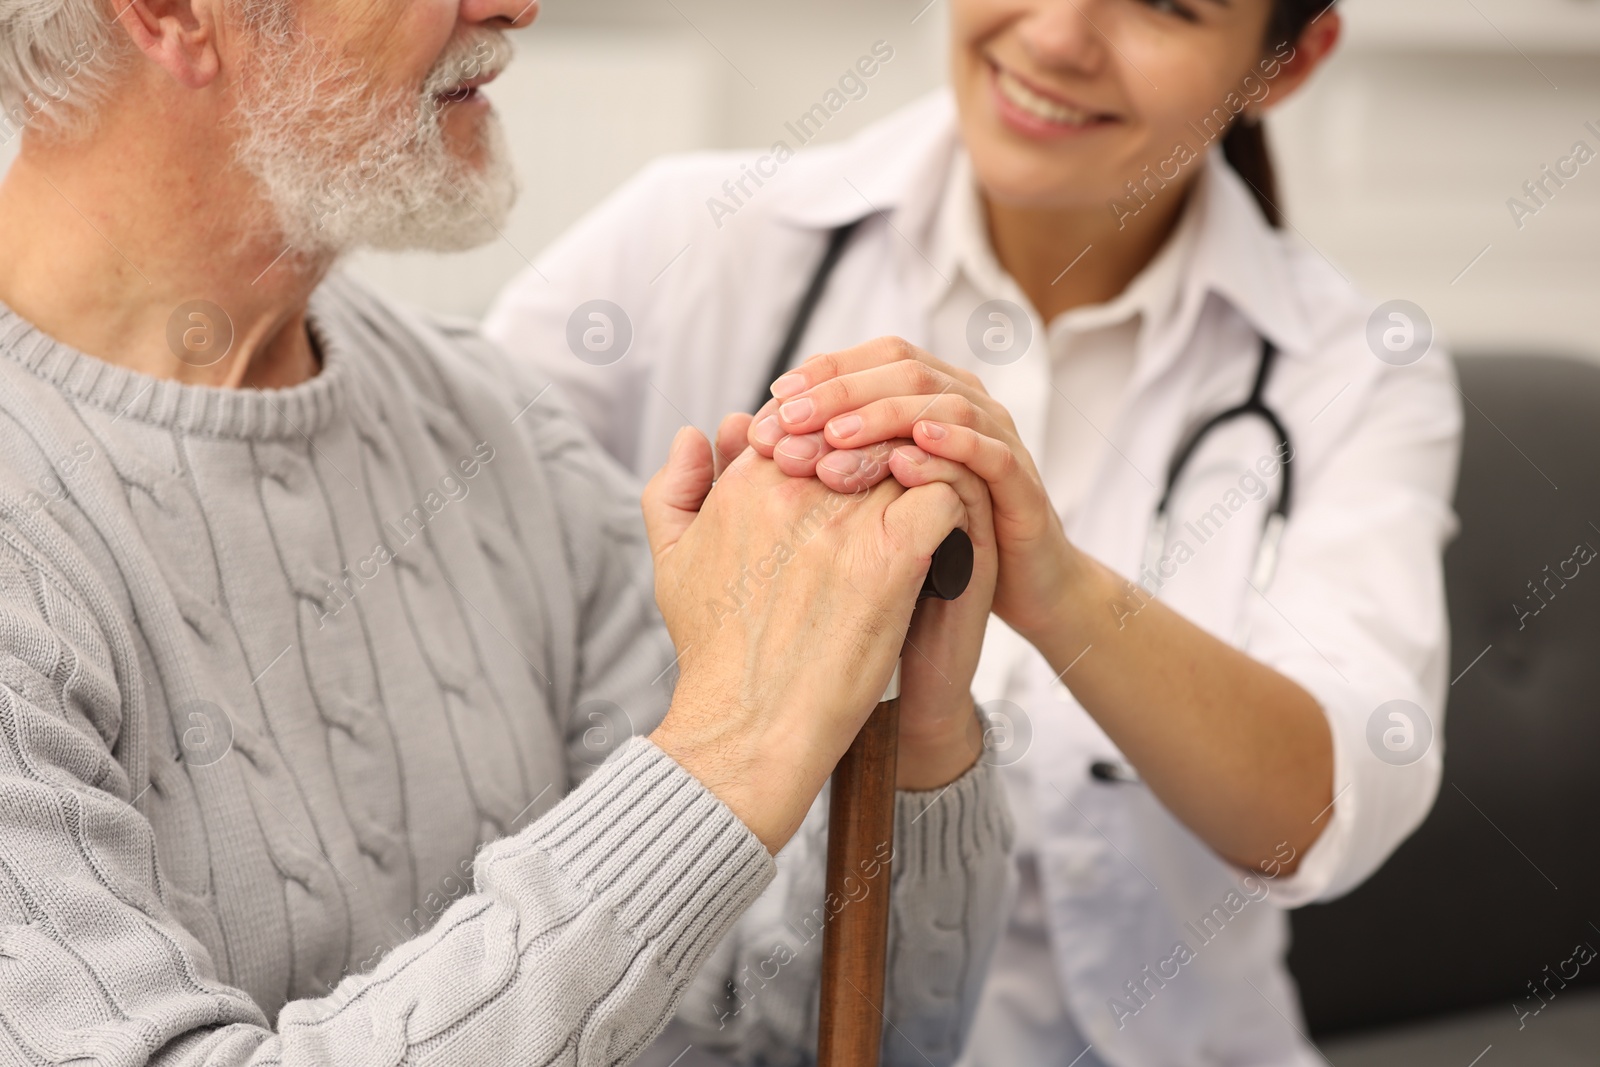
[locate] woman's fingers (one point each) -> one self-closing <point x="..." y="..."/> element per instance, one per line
<point x="1015" y="492"/>
<point x="824" y="365"/>
<point x="815" y="408"/>
<point x="798" y="456"/>
<point x="765" y="432"/>
<point x="840" y="416"/>
<point x="840" y="381"/>
<point x="879" y="352"/>
<point x="857" y="469"/>
<point x="883" y="420"/>
<point x="808" y="455"/>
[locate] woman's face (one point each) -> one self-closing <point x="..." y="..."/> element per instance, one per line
<point x="1063" y="102"/>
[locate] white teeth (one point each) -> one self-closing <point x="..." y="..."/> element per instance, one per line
<point x="1038" y="106"/>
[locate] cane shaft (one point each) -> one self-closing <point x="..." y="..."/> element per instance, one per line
<point x="855" y="941"/>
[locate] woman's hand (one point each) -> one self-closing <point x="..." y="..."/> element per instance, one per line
<point x="1239" y="753"/>
<point x="788" y="603"/>
<point x="846" y="415"/>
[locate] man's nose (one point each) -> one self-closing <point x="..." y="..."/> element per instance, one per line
<point x="500" y="14"/>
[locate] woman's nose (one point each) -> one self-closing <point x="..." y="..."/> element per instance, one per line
<point x="1068" y="35"/>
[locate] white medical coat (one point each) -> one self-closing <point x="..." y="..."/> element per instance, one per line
<point x="1355" y="612"/>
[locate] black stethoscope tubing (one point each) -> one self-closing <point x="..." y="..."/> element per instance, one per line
<point x="1255" y="405"/>
<point x="837" y="239"/>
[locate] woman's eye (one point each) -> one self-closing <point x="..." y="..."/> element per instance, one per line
<point x="1171" y="7"/>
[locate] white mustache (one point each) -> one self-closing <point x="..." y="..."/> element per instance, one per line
<point x="485" y="53"/>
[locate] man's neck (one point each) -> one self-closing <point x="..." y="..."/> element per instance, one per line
<point x="104" y="254"/>
<point x="1064" y="259"/>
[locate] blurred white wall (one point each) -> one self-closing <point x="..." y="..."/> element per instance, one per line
<point x="1397" y="162"/>
<point x="1399" y="159"/>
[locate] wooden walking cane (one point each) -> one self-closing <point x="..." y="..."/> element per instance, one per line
<point x="855" y="942"/>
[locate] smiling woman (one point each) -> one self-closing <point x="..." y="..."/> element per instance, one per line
<point x="1060" y="112"/>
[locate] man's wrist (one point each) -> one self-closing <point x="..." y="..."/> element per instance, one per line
<point x="768" y="781"/>
<point x="932" y="761"/>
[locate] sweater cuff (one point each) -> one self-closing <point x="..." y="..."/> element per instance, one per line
<point x="647" y="840"/>
<point x="942" y="831"/>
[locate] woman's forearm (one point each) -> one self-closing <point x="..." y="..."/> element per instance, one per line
<point x="1239" y="753"/>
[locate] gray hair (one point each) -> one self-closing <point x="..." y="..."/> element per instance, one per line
<point x="57" y="58"/>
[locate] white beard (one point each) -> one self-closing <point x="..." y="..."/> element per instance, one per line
<point x="343" y="168"/>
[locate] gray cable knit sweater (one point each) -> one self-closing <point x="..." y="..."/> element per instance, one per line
<point x="292" y="686"/>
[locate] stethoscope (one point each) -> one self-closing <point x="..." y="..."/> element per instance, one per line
<point x="1266" y="559"/>
<point x="1254" y="406"/>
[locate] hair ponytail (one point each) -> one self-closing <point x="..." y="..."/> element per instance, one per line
<point x="1245" y="147"/>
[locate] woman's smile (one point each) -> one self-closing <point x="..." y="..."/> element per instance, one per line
<point x="1034" y="112"/>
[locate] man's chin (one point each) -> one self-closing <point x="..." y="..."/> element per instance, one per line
<point x="459" y="223"/>
<point x="453" y="205"/>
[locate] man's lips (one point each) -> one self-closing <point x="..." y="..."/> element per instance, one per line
<point x="468" y="89"/>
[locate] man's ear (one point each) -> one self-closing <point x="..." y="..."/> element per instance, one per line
<point x="1317" y="42"/>
<point x="180" y="36"/>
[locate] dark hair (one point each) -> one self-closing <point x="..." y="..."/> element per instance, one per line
<point x="1245" y="147"/>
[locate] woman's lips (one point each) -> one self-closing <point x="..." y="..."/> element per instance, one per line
<point x="1036" y="114"/>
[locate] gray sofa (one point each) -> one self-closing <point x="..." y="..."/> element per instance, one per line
<point x="1476" y="921"/>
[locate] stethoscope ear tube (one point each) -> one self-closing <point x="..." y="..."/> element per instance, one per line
<point x="1155" y="542"/>
<point x="1266" y="559"/>
<point x="1267" y="552"/>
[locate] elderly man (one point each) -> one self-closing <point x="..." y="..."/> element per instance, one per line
<point x="313" y="610"/>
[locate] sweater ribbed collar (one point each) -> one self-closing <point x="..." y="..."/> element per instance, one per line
<point x="200" y="410"/>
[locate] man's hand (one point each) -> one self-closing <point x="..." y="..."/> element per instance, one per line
<point x="788" y="604"/>
<point x="940" y="735"/>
